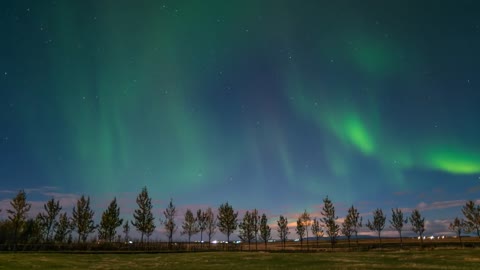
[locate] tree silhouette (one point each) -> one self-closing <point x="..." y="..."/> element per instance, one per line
<point x="227" y="220"/>
<point x="300" y="230"/>
<point x="256" y="226"/>
<point x="347" y="228"/>
<point x="126" y="231"/>
<point x="282" y="229"/>
<point x="265" y="231"/>
<point x="143" y="219"/>
<point x="201" y="223"/>
<point x="110" y="221"/>
<point x="329" y="220"/>
<point x="378" y="223"/>
<point x="82" y="219"/>
<point x="211" y="224"/>
<point x="18" y="214"/>
<point x="472" y="216"/>
<point x="64" y="228"/>
<point x="48" y="219"/>
<point x="169" y="223"/>
<point x="316" y="229"/>
<point x="305" y="218"/>
<point x="189" y="225"/>
<point x="458" y="226"/>
<point x="397" y="222"/>
<point x="418" y="224"/>
<point x="247" y="228"/>
<point x="355" y="221"/>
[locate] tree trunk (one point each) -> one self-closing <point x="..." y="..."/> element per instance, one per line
<point x="401" y="242"/>
<point x="307" y="238"/>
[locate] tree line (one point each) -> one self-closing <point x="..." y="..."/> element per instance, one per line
<point x="54" y="226"/>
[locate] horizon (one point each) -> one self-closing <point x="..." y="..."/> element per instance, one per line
<point x="265" y="104"/>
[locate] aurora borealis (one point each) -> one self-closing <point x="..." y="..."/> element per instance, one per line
<point x="268" y="104"/>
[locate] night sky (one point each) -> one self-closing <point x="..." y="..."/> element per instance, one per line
<point x="267" y="104"/>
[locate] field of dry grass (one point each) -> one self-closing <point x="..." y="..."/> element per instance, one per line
<point x="440" y="258"/>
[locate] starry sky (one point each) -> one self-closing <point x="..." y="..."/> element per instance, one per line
<point x="267" y="104"/>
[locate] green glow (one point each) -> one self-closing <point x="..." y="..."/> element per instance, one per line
<point x="357" y="133"/>
<point x="454" y="161"/>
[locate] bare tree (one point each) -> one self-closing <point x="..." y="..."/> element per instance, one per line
<point x="48" y="219"/>
<point x="300" y="230"/>
<point x="247" y="228"/>
<point x="169" y="223"/>
<point x="211" y="224"/>
<point x="82" y="219"/>
<point x="472" y="216"/>
<point x="282" y="230"/>
<point x="329" y="220"/>
<point x="458" y="226"/>
<point x="378" y="223"/>
<point x="144" y="221"/>
<point x="227" y="220"/>
<point x="18" y="214"/>
<point x="317" y="229"/>
<point x="110" y="221"/>
<point x="397" y="222"/>
<point x="189" y="226"/>
<point x="265" y="231"/>
<point x="418" y="224"/>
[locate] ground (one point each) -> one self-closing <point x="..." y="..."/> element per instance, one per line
<point x="412" y="259"/>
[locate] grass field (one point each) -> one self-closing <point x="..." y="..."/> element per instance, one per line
<point x="429" y="259"/>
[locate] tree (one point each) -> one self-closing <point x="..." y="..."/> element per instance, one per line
<point x="331" y="227"/>
<point x="282" y="230"/>
<point x="211" y="224"/>
<point x="18" y="214"/>
<point x="82" y="219"/>
<point x="247" y="228"/>
<point x="201" y="223"/>
<point x="48" y="219"/>
<point x="189" y="226"/>
<point x="110" y="221"/>
<point x="418" y="224"/>
<point x="227" y="220"/>
<point x="300" y="230"/>
<point x="305" y="218"/>
<point x="397" y="222"/>
<point x="169" y="223"/>
<point x="347" y="228"/>
<point x="126" y="230"/>
<point x="472" y="216"/>
<point x="32" y="231"/>
<point x="64" y="228"/>
<point x="355" y="221"/>
<point x="458" y="226"/>
<point x="378" y="223"/>
<point x="143" y="216"/>
<point x="256" y="226"/>
<point x="265" y="231"/>
<point x="316" y="229"/>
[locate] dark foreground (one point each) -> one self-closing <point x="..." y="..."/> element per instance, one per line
<point x="431" y="259"/>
